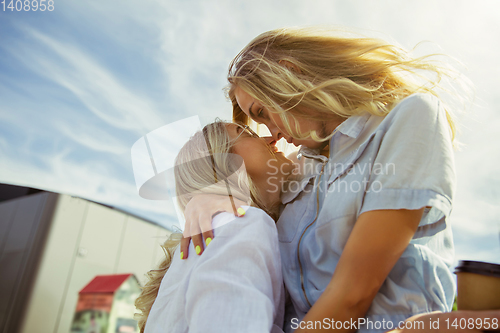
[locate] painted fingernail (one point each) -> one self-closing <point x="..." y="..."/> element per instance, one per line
<point x="198" y="249"/>
<point x="182" y="255"/>
<point x="241" y="211"/>
<point x="208" y="240"/>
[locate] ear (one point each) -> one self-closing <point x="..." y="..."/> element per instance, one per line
<point x="290" y="66"/>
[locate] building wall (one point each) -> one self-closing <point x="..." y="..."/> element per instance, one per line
<point x="23" y="228"/>
<point x="86" y="239"/>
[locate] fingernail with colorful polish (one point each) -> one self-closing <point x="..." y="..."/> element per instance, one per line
<point x="241" y="211"/>
<point x="208" y="240"/>
<point x="198" y="249"/>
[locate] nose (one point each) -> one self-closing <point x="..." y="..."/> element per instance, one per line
<point x="275" y="132"/>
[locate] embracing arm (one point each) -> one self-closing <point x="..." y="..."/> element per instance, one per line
<point x="199" y="213"/>
<point x="377" y="241"/>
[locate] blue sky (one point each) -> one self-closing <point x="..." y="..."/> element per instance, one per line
<point x="79" y="85"/>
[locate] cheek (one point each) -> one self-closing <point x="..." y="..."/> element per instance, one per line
<point x="251" y="157"/>
<point x="258" y="165"/>
<point x="276" y="121"/>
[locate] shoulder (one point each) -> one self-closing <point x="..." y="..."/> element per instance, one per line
<point x="244" y="237"/>
<point x="417" y="107"/>
<point x="255" y="223"/>
<point x="419" y="100"/>
<point x="256" y="219"/>
<point x="421" y="114"/>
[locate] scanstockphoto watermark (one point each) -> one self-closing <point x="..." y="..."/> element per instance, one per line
<point x="354" y="324"/>
<point x="363" y="184"/>
<point x="432" y="324"/>
<point x="335" y="168"/>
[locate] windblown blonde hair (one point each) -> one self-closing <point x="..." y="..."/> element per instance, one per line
<point x="322" y="75"/>
<point x="194" y="174"/>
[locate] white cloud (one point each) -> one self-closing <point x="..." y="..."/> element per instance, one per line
<point x="92" y="137"/>
<point x="94" y="85"/>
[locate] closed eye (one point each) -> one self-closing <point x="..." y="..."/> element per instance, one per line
<point x="257" y="116"/>
<point x="261" y="116"/>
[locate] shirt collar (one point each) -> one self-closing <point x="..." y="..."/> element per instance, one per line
<point x="353" y="125"/>
<point x="291" y="192"/>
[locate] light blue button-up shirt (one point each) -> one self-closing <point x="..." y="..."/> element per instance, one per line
<point x="401" y="161"/>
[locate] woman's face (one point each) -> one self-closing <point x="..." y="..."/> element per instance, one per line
<point x="267" y="167"/>
<point x="256" y="111"/>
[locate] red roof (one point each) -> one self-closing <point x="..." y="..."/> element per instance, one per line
<point x="105" y="283"/>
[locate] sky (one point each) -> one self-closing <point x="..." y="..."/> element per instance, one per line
<point x="80" y="84"/>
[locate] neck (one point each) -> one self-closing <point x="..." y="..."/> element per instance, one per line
<point x="326" y="151"/>
<point x="329" y="127"/>
<point x="271" y="201"/>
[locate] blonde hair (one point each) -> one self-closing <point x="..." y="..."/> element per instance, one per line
<point x="204" y="164"/>
<point x="321" y="75"/>
<point x="145" y="301"/>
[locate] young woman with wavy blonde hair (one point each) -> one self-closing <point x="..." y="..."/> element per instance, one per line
<point x="365" y="238"/>
<point x="204" y="294"/>
<point x="324" y="75"/>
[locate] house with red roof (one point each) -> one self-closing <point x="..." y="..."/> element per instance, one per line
<point x="106" y="305"/>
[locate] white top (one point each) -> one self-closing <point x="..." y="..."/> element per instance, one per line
<point x="235" y="286"/>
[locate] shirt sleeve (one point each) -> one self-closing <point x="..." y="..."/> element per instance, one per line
<point x="239" y="286"/>
<point x="414" y="166"/>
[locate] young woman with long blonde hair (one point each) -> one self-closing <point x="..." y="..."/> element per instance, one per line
<point x="237" y="285"/>
<point x="365" y="237"/>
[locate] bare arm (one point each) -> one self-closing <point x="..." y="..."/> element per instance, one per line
<point x="377" y="241"/>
